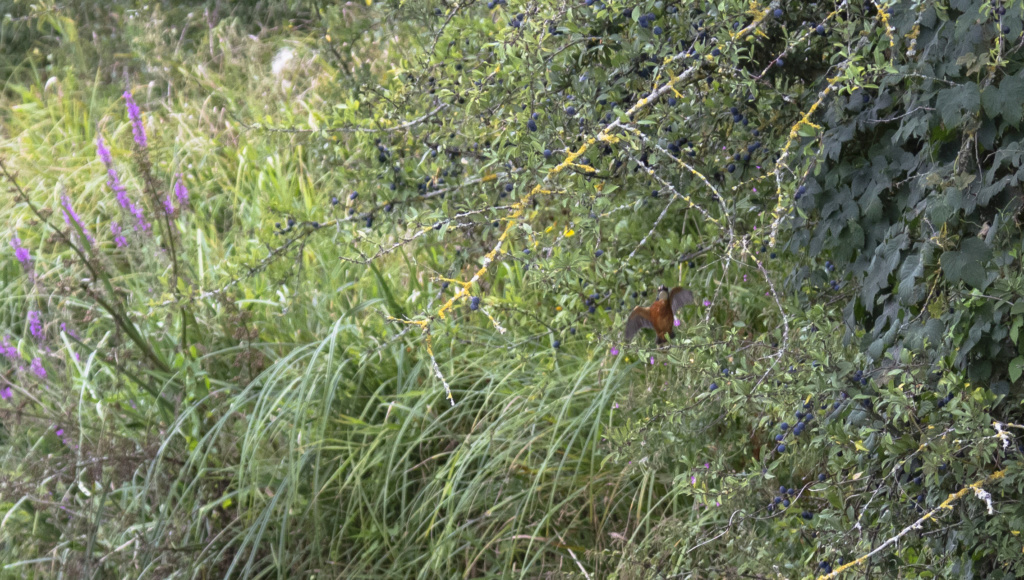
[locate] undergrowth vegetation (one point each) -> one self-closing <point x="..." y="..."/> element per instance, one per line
<point x="337" y="290"/>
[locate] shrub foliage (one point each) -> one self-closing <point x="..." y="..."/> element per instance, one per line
<point x="311" y="289"/>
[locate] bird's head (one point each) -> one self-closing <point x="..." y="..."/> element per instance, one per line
<point x="663" y="292"/>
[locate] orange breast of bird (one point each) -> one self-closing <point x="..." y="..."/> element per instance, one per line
<point x="661" y="317"/>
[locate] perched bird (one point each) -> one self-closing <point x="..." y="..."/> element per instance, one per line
<point x="660" y="315"/>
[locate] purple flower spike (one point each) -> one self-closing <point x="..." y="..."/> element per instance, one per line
<point x="104" y="153"/>
<point x="21" y="252"/>
<point x="5" y="393"/>
<point x="8" y="350"/>
<point x="141" y="224"/>
<point x="119" y="240"/>
<point x="615" y="351"/>
<point x="138" y="131"/>
<point x="37" y="368"/>
<point x="168" y="205"/>
<point x="115" y="185"/>
<point x="69" y="215"/>
<point x="35" y="323"/>
<point x="181" y="192"/>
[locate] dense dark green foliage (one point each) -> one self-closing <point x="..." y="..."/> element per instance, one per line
<point x="384" y="338"/>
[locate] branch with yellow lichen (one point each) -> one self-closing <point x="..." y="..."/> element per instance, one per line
<point x="945" y="505"/>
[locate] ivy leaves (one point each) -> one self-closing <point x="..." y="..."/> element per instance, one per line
<point x="954" y="103"/>
<point x="1006" y="100"/>
<point x="968" y="264"/>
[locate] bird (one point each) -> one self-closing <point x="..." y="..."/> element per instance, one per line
<point x="660" y="315"/>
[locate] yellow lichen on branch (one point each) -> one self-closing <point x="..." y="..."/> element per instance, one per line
<point x="974" y="488"/>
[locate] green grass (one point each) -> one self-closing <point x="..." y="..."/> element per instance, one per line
<point x="324" y="442"/>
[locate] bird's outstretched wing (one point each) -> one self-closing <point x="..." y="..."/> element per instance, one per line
<point x="639" y="318"/>
<point x="679" y="297"/>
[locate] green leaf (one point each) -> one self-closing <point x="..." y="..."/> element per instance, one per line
<point x="1016" y="368"/>
<point x="953" y="103"/>
<point x="966" y="264"/>
<point x="1011" y="93"/>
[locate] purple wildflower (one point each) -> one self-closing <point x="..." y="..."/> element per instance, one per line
<point x="5" y="393"/>
<point x="35" y="323"/>
<point x="615" y="351"/>
<point x="140" y="220"/>
<point x="707" y="303"/>
<point x="68" y="331"/>
<point x="115" y="185"/>
<point x="37" y="368"/>
<point x="138" y="131"/>
<point x="69" y="214"/>
<point x="103" y="152"/>
<point x="59" y="432"/>
<point x="20" y="252"/>
<point x="181" y="192"/>
<point x="676" y="322"/>
<point x="168" y="205"/>
<point x="8" y="350"/>
<point x="119" y="240"/>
